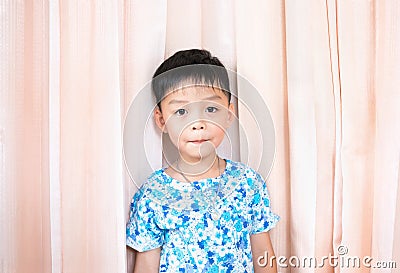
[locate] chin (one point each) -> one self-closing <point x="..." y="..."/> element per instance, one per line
<point x="196" y="156"/>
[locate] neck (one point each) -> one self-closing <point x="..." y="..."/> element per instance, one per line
<point x="207" y="165"/>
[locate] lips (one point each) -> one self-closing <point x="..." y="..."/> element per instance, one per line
<point x="199" y="141"/>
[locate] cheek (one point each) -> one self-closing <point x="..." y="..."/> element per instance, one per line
<point x="176" y="133"/>
<point x="173" y="125"/>
<point x="218" y="132"/>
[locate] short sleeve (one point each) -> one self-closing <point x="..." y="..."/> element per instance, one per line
<point x="263" y="219"/>
<point x="142" y="232"/>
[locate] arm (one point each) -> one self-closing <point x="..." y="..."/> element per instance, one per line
<point x="147" y="261"/>
<point x="130" y="259"/>
<point x="261" y="244"/>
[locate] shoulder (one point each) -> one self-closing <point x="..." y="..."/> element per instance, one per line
<point x="152" y="187"/>
<point x="153" y="180"/>
<point x="242" y="180"/>
<point x="243" y="172"/>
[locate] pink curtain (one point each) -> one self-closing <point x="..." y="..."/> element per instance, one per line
<point x="328" y="70"/>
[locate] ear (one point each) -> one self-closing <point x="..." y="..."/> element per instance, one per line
<point x="231" y="114"/>
<point x="159" y="119"/>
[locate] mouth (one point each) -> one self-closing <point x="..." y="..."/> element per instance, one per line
<point x="199" y="141"/>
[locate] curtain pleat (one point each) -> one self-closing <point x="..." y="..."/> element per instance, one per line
<point x="54" y="136"/>
<point x="357" y="77"/>
<point x="92" y="204"/>
<point x="25" y="226"/>
<point x="311" y="122"/>
<point x="385" y="205"/>
<point x="260" y="42"/>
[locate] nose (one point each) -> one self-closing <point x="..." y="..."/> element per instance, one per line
<point x="198" y="125"/>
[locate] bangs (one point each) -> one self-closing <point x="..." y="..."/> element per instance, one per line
<point x="191" y="75"/>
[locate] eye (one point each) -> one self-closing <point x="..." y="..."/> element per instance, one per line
<point x="211" y="109"/>
<point x="180" y="112"/>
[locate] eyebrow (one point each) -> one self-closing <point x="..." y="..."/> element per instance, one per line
<point x="213" y="97"/>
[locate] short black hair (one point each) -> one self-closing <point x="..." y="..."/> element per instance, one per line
<point x="196" y="66"/>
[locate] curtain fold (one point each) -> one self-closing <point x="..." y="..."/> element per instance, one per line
<point x="386" y="193"/>
<point x="24" y="225"/>
<point x="90" y="138"/>
<point x="311" y="122"/>
<point x="261" y="58"/>
<point x="69" y="71"/>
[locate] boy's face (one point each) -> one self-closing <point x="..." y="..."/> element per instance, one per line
<point x="195" y="119"/>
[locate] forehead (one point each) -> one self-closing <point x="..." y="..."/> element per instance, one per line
<point x="195" y="94"/>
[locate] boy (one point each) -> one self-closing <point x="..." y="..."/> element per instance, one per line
<point x="202" y="213"/>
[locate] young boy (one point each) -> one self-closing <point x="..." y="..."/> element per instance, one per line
<point x="202" y="213"/>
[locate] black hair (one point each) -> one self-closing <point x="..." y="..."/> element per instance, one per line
<point x="195" y="66"/>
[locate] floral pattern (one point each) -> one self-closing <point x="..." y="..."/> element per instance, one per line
<point x="202" y="226"/>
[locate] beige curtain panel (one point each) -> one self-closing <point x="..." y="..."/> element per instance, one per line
<point x="329" y="70"/>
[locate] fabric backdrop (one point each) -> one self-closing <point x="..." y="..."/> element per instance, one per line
<point x="328" y="70"/>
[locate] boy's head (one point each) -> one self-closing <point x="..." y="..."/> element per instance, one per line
<point x="193" y="97"/>
<point x="189" y="67"/>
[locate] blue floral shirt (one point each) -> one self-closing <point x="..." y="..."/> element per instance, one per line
<point x="202" y="226"/>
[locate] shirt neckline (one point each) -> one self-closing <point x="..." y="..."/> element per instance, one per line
<point x="200" y="181"/>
